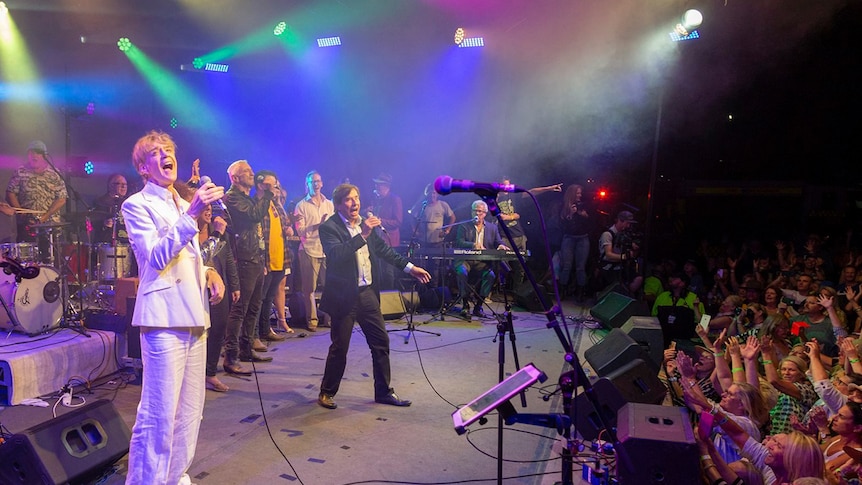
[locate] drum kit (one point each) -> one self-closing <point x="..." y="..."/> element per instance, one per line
<point x="51" y="288"/>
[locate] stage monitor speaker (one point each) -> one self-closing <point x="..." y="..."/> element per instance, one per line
<point x="588" y="421"/>
<point x="392" y="305"/>
<point x="613" y="352"/>
<point x="69" y="448"/>
<point x="611" y="288"/>
<point x="646" y="331"/>
<point x="527" y="299"/>
<point x="657" y="445"/>
<point x="614" y="309"/>
<point x="636" y="381"/>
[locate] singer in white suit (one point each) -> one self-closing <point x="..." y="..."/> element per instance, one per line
<point x="172" y="311"/>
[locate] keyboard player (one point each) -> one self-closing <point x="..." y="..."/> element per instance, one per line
<point x="477" y="235"/>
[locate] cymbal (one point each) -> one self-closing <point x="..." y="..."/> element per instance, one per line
<point x="50" y="225"/>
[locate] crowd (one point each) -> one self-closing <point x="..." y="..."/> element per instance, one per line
<point x="767" y="359"/>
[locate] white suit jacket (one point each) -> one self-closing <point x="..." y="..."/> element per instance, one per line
<point x="172" y="290"/>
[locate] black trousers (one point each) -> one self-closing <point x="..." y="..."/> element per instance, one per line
<point x="366" y="312"/>
<point x="242" y="322"/>
<point x="268" y="291"/>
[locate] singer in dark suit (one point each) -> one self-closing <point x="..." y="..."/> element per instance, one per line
<point x="478" y="235"/>
<point x="353" y="248"/>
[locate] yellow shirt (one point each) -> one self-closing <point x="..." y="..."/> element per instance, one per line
<point x="276" y="241"/>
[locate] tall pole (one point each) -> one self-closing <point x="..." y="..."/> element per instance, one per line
<point x="653" y="175"/>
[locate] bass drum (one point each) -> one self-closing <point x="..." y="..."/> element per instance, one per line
<point x="33" y="306"/>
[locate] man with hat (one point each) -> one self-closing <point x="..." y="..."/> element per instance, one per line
<point x="614" y="258"/>
<point x="36" y="187"/>
<point x="387" y="207"/>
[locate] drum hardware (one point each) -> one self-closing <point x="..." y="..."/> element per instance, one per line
<point x="33" y="305"/>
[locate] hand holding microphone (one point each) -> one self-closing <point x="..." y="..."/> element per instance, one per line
<point x="207" y="194"/>
<point x="205" y="179"/>
<point x="374" y="221"/>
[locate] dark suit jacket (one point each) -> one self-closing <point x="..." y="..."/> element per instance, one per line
<point x="341" y="289"/>
<point x="466" y="236"/>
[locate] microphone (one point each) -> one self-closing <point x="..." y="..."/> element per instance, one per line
<point x="205" y="179"/>
<point x="371" y="214"/>
<point x="445" y="185"/>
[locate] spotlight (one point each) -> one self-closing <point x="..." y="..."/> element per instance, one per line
<point x="3" y="7"/>
<point x="472" y="42"/>
<point x="198" y="63"/>
<point x="279" y="28"/>
<point x="459" y="35"/>
<point x="91" y="108"/>
<point x="214" y="67"/>
<point x="691" y="20"/>
<point x="174" y="123"/>
<point x="124" y="44"/>
<point x="89" y="167"/>
<point x="328" y="41"/>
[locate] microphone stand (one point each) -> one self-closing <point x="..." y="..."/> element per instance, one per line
<point x="569" y="381"/>
<point x="69" y="313"/>
<point x="410" y="327"/>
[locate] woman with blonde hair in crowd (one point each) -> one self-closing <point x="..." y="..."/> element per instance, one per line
<point x="789" y="377"/>
<point x="777" y="327"/>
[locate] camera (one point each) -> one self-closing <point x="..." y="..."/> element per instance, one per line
<point x="749" y="313"/>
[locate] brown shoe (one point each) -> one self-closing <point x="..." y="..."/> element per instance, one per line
<point x="326" y="401"/>
<point x="236" y="370"/>
<point x="273" y="337"/>
<point x="216" y="385"/>
<point x="259" y="346"/>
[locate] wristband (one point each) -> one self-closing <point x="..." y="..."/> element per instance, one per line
<point x="764" y="362"/>
<point x="737" y="369"/>
<point x="705" y="457"/>
<point x="692" y="384"/>
<point x="853" y="361"/>
<point x="718" y="354"/>
<point x="723" y="420"/>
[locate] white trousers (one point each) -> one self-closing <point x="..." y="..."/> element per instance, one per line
<point x="171" y="408"/>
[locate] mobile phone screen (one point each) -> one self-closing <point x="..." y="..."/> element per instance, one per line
<point x="704" y="321"/>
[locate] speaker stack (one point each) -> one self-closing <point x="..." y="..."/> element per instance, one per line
<point x="69" y="448"/>
<point x="614" y="309"/>
<point x="657" y="445"/>
<point x="392" y="305"/>
<point x="627" y="374"/>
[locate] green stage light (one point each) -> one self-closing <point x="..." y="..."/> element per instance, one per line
<point x="279" y="28"/>
<point x="124" y="44"/>
<point x="198" y="63"/>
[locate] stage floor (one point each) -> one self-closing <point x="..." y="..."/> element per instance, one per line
<point x="246" y="430"/>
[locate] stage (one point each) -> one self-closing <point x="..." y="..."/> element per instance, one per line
<point x="268" y="427"/>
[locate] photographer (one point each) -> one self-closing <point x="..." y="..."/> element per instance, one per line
<point x="617" y="251"/>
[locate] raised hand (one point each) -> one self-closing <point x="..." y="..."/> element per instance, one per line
<point x="825" y="301"/>
<point x="685" y="365"/>
<point x="750" y="349"/>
